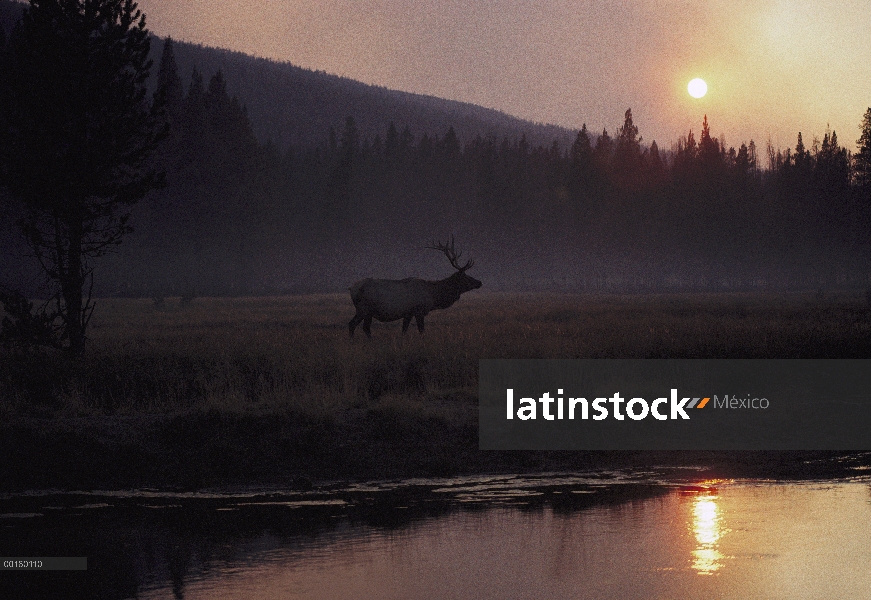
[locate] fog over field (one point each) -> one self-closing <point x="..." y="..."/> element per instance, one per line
<point x="280" y="179"/>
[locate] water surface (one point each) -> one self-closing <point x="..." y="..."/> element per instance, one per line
<point x="606" y="535"/>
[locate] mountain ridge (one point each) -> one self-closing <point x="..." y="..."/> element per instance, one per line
<point x="295" y="106"/>
<point x="313" y="101"/>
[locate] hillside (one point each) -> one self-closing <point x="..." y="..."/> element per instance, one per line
<point x="295" y="106"/>
<point x="291" y="105"/>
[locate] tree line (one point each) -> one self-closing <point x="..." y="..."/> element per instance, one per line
<point x="263" y="215"/>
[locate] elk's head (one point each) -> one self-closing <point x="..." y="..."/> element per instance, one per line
<point x="463" y="282"/>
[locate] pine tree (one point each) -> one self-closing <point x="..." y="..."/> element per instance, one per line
<point x="406" y="141"/>
<point x="628" y="140"/>
<point x="391" y="143"/>
<point x="653" y="157"/>
<point x="169" y="93"/>
<point x="350" y="142"/>
<point x="194" y="110"/>
<point x="217" y="94"/>
<point x="742" y="160"/>
<point x="604" y="149"/>
<point x="751" y="156"/>
<point x="709" y="148"/>
<point x="342" y="176"/>
<point x="801" y="156"/>
<point x="691" y="147"/>
<point x="832" y="166"/>
<point x="451" y="145"/>
<point x="627" y="154"/>
<point x="582" y="151"/>
<point x="687" y="151"/>
<point x="862" y="158"/>
<point x="79" y="137"/>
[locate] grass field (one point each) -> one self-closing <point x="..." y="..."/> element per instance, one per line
<point x="278" y="353"/>
<point x="239" y="372"/>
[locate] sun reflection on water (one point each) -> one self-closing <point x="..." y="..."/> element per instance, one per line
<point x="708" y="529"/>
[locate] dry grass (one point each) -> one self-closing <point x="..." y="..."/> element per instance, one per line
<point x="292" y="354"/>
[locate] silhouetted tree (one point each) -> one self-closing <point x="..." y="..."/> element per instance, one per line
<point x="391" y="143"/>
<point x="832" y="166"/>
<point x="602" y="158"/>
<point x="751" y="157"/>
<point x="342" y="176"/>
<point x="627" y="154"/>
<point x="654" y="164"/>
<point x="802" y="158"/>
<point x="685" y="157"/>
<point x="742" y="161"/>
<point x="79" y="137"/>
<point x="169" y="93"/>
<point x="862" y="158"/>
<point x="406" y="140"/>
<point x="709" y="149"/>
<point x="581" y="153"/>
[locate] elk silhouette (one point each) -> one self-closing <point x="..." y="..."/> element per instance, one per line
<point x="393" y="299"/>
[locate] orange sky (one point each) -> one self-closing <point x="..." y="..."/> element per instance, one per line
<point x="773" y="68"/>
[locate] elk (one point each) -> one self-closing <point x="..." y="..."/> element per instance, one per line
<point x="393" y="299"/>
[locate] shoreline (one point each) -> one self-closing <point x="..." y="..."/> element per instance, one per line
<point x="211" y="450"/>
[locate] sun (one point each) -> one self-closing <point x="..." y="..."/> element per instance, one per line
<point x="697" y="88"/>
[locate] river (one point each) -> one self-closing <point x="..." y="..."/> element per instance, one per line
<point x="598" y="535"/>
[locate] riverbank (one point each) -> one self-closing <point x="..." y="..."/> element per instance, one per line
<point x="271" y="392"/>
<point x="213" y="450"/>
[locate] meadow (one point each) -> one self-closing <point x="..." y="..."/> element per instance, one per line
<point x="272" y="388"/>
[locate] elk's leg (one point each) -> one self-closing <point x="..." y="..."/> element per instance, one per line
<point x="353" y="323"/>
<point x="367" y="323"/>
<point x="405" y="323"/>
<point x="419" y="320"/>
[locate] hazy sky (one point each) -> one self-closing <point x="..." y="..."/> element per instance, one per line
<point x="773" y="68"/>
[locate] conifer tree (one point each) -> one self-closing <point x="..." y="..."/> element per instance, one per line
<point x="627" y="153"/>
<point x="709" y="148"/>
<point x="79" y="137"/>
<point x="391" y="142"/>
<point x="580" y="163"/>
<point x="832" y="166"/>
<point x="628" y="140"/>
<point x="742" y="160"/>
<point x="801" y="156"/>
<point x="862" y="158"/>
<point x="654" y="161"/>
<point x="169" y="93"/>
<point x="604" y="150"/>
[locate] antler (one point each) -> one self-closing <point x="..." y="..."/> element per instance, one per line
<point x="452" y="254"/>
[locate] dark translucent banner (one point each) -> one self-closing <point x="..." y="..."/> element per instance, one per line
<point x="44" y="563"/>
<point x="675" y="404"/>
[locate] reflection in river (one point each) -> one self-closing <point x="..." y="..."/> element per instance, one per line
<point x="573" y="536"/>
<point x="707" y="529"/>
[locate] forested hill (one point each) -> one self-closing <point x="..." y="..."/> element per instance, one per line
<point x="294" y="106"/>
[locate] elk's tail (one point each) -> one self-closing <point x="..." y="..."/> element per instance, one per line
<point x="357" y="291"/>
